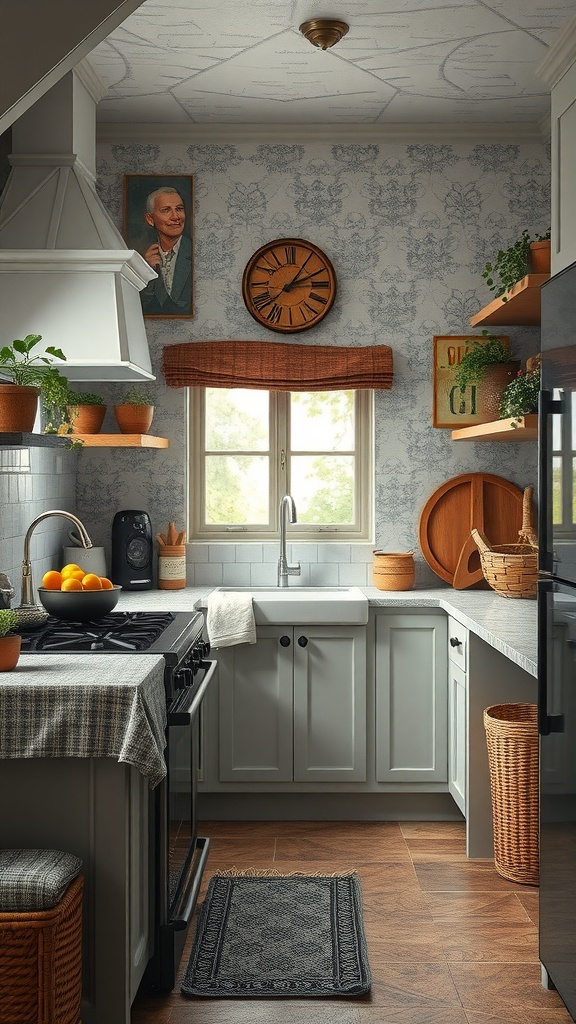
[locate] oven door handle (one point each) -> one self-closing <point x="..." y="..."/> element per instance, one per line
<point x="185" y="715"/>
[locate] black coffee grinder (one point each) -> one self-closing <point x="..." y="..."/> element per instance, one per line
<point x="132" y="551"/>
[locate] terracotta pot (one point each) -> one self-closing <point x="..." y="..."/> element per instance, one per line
<point x="539" y="261"/>
<point x="491" y="388"/>
<point x="18" y="407"/>
<point x="9" y="651"/>
<point x="86" y="419"/>
<point x="134" y="419"/>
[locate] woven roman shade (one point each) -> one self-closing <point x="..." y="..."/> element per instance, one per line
<point x="276" y="366"/>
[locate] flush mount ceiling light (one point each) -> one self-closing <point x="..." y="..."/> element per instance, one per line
<point x="324" y="32"/>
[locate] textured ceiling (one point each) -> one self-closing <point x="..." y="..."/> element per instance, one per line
<point x="403" y="62"/>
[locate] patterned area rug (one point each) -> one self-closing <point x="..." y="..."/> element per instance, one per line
<point x="263" y="936"/>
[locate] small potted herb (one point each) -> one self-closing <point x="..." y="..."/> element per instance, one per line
<point x="513" y="263"/>
<point x="86" y="411"/>
<point x="520" y="396"/>
<point x="10" y="641"/>
<point x="135" y="412"/>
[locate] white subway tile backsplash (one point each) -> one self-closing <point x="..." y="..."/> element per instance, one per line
<point x="323" y="575"/>
<point x="248" y="552"/>
<point x="361" y="553"/>
<point x="208" y="574"/>
<point x="221" y="553"/>
<point x="263" y="575"/>
<point x="235" y="574"/>
<point x="197" y="553"/>
<point x="352" y="574"/>
<point x="334" y="552"/>
<point x="304" y="552"/>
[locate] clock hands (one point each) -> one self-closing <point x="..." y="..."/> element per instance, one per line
<point x="287" y="287"/>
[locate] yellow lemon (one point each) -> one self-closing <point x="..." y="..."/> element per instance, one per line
<point x="91" y="582"/>
<point x="71" y="584"/>
<point x="52" y="580"/>
<point x="69" y="569"/>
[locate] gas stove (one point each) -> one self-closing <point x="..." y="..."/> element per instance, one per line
<point x="177" y="636"/>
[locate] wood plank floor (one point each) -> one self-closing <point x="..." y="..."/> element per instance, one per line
<point x="449" y="940"/>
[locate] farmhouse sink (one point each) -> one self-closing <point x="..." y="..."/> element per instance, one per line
<point x="303" y="605"/>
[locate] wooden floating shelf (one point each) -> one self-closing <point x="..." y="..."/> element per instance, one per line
<point x="120" y="440"/>
<point x="500" y="430"/>
<point x="522" y="307"/>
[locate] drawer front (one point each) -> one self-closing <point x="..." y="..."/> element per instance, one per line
<point x="457" y="643"/>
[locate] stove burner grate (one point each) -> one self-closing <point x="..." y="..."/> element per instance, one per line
<point x="118" y="631"/>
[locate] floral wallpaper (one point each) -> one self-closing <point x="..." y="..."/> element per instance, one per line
<point x="408" y="228"/>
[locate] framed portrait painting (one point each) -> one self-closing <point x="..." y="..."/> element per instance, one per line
<point x="453" y="406"/>
<point x="157" y="222"/>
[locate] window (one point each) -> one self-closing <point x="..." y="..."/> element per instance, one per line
<point x="251" y="447"/>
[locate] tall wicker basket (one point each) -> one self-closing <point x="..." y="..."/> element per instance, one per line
<point x="512" y="741"/>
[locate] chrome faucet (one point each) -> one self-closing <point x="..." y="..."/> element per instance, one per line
<point x="287" y="515"/>
<point x="26" y="600"/>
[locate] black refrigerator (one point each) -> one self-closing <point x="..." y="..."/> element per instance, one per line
<point x="557" y="635"/>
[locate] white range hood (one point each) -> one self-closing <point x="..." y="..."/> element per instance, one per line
<point x="65" y="271"/>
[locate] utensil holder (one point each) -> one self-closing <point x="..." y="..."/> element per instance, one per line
<point x="172" y="567"/>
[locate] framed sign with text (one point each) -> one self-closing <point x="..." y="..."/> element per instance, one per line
<point x="453" y="407"/>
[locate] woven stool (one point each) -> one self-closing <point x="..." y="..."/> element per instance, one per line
<point x="40" y="937"/>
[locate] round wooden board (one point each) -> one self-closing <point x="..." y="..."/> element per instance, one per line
<point x="457" y="507"/>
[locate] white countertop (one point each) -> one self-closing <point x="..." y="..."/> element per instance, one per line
<point x="507" y="624"/>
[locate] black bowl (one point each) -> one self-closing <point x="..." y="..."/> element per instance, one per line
<point x="79" y="605"/>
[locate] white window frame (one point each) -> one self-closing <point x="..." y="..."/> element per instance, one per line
<point x="279" y="477"/>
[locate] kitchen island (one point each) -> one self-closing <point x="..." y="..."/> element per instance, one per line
<point x="81" y="742"/>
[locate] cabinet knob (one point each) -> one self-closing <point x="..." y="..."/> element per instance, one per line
<point x="285" y="641"/>
<point x="455" y="642"/>
<point x="302" y="641"/>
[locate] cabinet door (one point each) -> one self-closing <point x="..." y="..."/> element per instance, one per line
<point x="329" y="703"/>
<point x="563" y="156"/>
<point x="255" y="711"/>
<point x="411" y="698"/>
<point x="457" y="734"/>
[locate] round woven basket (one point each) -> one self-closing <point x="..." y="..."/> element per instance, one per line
<point x="512" y="742"/>
<point x="393" y="570"/>
<point x="512" y="569"/>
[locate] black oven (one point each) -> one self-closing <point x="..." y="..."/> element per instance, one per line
<point x="178" y="854"/>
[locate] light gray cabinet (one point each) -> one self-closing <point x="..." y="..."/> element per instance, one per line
<point x="292" y="707"/>
<point x="563" y="158"/>
<point x="411" y="697"/>
<point x="458" y="713"/>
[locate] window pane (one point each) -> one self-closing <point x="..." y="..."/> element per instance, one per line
<point x="322" y="421"/>
<point x="323" y="488"/>
<point x="236" y="419"/>
<point x="237" y="489"/>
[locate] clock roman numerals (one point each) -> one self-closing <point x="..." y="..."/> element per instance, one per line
<point x="289" y="285"/>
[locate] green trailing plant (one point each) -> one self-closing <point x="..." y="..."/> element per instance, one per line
<point x="8" y="621"/>
<point x="520" y="396"/>
<point x="137" y="396"/>
<point x="511" y="264"/>
<point x="481" y="354"/>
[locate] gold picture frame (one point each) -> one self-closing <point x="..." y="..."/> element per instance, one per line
<point x="153" y="231"/>
<point x="451" y="406"/>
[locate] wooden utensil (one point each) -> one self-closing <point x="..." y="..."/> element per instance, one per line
<point x="447" y="519"/>
<point x="171" y="535"/>
<point x="161" y="539"/>
<point x="180" y="538"/>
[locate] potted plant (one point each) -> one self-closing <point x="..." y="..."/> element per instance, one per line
<point x="10" y="642"/>
<point x="22" y="374"/>
<point x="487" y="367"/>
<point x="86" y="411"/>
<point x="513" y="263"/>
<point x="135" y="411"/>
<point x="520" y="396"/>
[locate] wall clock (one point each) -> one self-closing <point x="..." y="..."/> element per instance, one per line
<point x="289" y="285"/>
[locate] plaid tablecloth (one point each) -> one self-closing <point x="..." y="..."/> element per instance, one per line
<point x="97" y="705"/>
